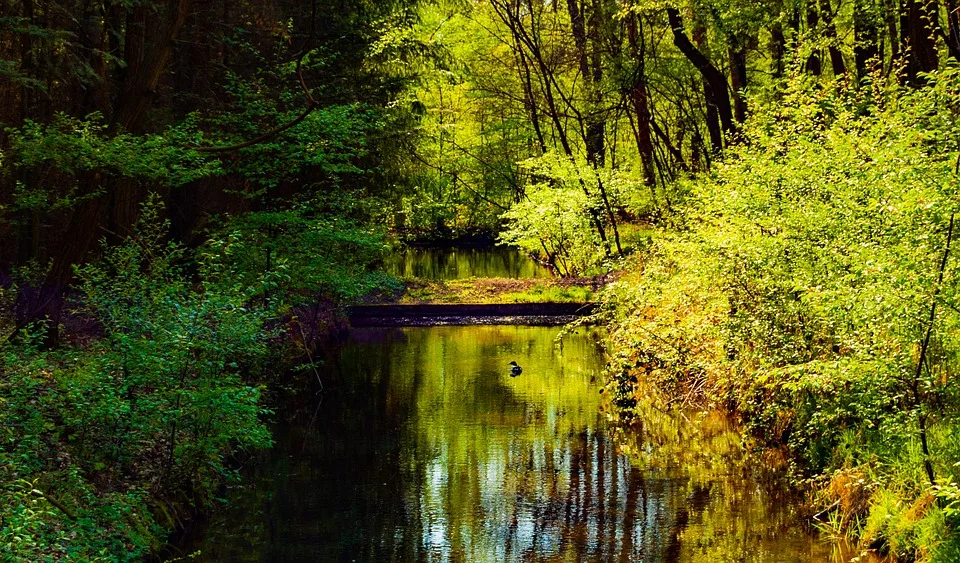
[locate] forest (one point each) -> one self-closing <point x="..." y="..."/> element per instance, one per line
<point x="760" y="195"/>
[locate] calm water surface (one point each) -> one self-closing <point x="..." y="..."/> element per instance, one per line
<point x="459" y="263"/>
<point x="425" y="449"/>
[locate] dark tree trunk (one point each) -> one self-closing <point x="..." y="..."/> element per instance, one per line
<point x="596" y="124"/>
<point x="866" y="36"/>
<point x="141" y="80"/>
<point x="830" y="32"/>
<point x="592" y="125"/>
<point x="737" y="51"/>
<point x="952" y="36"/>
<point x="510" y="15"/>
<point x="712" y="116"/>
<point x="579" y="37"/>
<point x="715" y="84"/>
<point x="920" y="21"/>
<point x="530" y="100"/>
<point x="890" y="9"/>
<point x="814" y="64"/>
<point x="145" y="68"/>
<point x="640" y="101"/>
<point x="593" y="128"/>
<point x="26" y="60"/>
<point x="777" y="46"/>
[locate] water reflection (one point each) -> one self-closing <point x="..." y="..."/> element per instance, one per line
<point x="459" y="263"/>
<point x="425" y="449"/>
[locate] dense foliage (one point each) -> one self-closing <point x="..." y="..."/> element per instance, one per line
<point x="187" y="189"/>
<point x="111" y="441"/>
<point x="811" y="288"/>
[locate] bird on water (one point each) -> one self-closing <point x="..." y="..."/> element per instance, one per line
<point x="515" y="370"/>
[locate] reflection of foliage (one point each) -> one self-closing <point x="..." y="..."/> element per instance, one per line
<point x="451" y="454"/>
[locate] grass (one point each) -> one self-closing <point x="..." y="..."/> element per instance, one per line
<point x="500" y="290"/>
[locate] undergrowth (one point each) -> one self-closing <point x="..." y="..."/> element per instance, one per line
<point x="808" y="286"/>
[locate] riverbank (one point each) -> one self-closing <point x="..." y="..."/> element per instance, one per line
<point x="811" y="292"/>
<point x="159" y="385"/>
<point x="499" y="290"/>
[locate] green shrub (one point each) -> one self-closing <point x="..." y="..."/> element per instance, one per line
<point x="800" y="285"/>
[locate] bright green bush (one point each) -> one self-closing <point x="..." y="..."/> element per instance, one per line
<point x="557" y="218"/>
<point x="798" y="287"/>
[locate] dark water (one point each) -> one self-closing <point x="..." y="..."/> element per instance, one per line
<point x="425" y="449"/>
<point x="459" y="263"/>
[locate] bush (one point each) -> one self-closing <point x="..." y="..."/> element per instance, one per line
<point x="801" y="284"/>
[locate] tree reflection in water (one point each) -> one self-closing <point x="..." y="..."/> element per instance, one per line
<point x="425" y="449"/>
<point x="460" y="263"/>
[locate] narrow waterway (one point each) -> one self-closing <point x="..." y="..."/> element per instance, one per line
<point x="460" y="263"/>
<point x="424" y="448"/>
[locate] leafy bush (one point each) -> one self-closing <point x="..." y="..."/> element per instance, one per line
<point x="104" y="445"/>
<point x="811" y="286"/>
<point x="297" y="256"/>
<point x="557" y="218"/>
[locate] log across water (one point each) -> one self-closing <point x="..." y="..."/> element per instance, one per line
<point x="541" y="314"/>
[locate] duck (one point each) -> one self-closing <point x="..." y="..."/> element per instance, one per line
<point x="515" y="370"/>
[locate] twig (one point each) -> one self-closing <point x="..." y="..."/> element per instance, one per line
<point x="306" y="349"/>
<point x="927" y="463"/>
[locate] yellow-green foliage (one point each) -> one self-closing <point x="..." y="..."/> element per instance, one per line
<point x="798" y="287"/>
<point x="499" y="290"/>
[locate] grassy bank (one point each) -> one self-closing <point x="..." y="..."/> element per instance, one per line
<point x="807" y="285"/>
<point x="500" y="290"/>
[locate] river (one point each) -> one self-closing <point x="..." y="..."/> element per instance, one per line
<point x="422" y="447"/>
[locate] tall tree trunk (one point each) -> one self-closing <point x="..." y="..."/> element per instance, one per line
<point x="712" y="116"/>
<point x="593" y="128"/>
<point x="86" y="224"/>
<point x="145" y="69"/>
<point x="952" y="35"/>
<point x="715" y="84"/>
<point x="141" y="82"/>
<point x="530" y="100"/>
<point x="814" y="64"/>
<point x="830" y="32"/>
<point x="640" y="102"/>
<point x="26" y="60"/>
<point x="596" y="123"/>
<point x="777" y="47"/>
<point x="919" y="20"/>
<point x="737" y="51"/>
<point x="509" y="14"/>
<point x="890" y="11"/>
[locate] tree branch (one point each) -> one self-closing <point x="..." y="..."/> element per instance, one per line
<point x="311" y="101"/>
